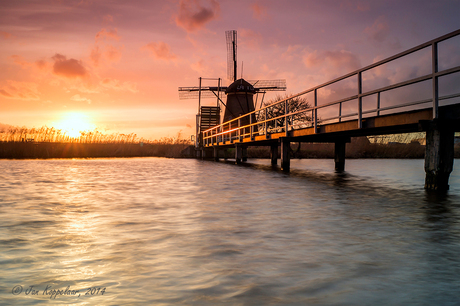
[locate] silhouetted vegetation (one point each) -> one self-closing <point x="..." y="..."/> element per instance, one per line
<point x="394" y="146"/>
<point x="53" y="143"/>
<point x="276" y="110"/>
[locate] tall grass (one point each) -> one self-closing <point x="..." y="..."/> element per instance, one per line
<point x="51" y="134"/>
<point x="48" y="142"/>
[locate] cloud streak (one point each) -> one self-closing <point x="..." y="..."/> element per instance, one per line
<point x="20" y="90"/>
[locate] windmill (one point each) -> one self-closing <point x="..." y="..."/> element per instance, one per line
<point x="240" y="93"/>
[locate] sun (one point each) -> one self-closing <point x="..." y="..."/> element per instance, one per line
<point x="74" y="123"/>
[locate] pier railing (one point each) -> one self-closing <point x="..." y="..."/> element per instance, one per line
<point x="261" y="123"/>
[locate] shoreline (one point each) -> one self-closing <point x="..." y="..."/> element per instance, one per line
<point x="357" y="148"/>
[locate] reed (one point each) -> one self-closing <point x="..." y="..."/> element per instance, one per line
<point x="46" y="142"/>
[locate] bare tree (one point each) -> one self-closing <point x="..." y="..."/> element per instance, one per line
<point x="274" y="110"/>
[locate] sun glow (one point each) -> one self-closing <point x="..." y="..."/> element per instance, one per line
<point x="74" y="123"/>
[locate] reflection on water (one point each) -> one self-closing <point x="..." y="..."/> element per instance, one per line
<point x="165" y="231"/>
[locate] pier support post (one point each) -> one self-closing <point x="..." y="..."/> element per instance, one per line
<point x="244" y="154"/>
<point x="439" y="156"/>
<point x="339" y="155"/>
<point x="216" y="154"/>
<point x="225" y="154"/>
<point x="274" y="154"/>
<point x="285" y="154"/>
<point x="238" y="153"/>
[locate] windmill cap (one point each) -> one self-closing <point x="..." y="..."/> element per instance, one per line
<point x="240" y="85"/>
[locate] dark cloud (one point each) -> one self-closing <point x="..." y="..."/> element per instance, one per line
<point x="193" y="15"/>
<point x="70" y="68"/>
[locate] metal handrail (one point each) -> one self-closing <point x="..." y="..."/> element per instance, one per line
<point x="218" y="130"/>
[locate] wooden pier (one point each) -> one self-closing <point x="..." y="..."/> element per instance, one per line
<point x="438" y="116"/>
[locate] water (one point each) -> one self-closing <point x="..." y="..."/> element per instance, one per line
<point x="158" y="231"/>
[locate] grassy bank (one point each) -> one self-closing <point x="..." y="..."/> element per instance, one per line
<point x="359" y="147"/>
<point x="22" y="150"/>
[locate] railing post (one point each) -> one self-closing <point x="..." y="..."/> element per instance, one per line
<point x="434" y="52"/>
<point x="340" y="112"/>
<point x="250" y="126"/>
<point x="315" y="112"/>
<point x="265" y="123"/>
<point x="239" y="129"/>
<point x="360" y="100"/>
<point x="286" y="118"/>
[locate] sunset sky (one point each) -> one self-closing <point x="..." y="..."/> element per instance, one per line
<point x="117" y="65"/>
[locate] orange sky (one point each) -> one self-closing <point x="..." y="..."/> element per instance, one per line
<point x="118" y="64"/>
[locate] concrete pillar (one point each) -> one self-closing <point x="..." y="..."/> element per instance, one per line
<point x="244" y="152"/>
<point x="238" y="153"/>
<point x="274" y="154"/>
<point x="439" y="156"/>
<point x="339" y="155"/>
<point x="285" y="154"/>
<point x="216" y="153"/>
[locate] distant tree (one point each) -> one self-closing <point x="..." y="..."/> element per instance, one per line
<point x="274" y="110"/>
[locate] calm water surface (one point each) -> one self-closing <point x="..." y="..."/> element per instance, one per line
<point x="158" y="231"/>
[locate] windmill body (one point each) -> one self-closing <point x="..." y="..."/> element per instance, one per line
<point x="240" y="99"/>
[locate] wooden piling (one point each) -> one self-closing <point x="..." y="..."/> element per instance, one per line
<point x="339" y="155"/>
<point x="244" y="154"/>
<point x="285" y="154"/>
<point x="274" y="154"/>
<point x="439" y="156"/>
<point x="238" y="153"/>
<point x="216" y="154"/>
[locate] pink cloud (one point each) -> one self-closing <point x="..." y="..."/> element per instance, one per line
<point x="343" y="61"/>
<point x="380" y="33"/>
<point x="69" y="68"/>
<point x="42" y="64"/>
<point x="107" y="34"/>
<point x="103" y="51"/>
<point x="109" y="53"/>
<point x="291" y="52"/>
<point x="360" y="5"/>
<point x="118" y="85"/>
<point x="79" y="98"/>
<point x="108" y="18"/>
<point x="259" y="11"/>
<point x="95" y="56"/>
<point x="112" y="53"/>
<point x="250" y="38"/>
<point x="19" y="60"/>
<point x="5" y="35"/>
<point x="160" y="50"/>
<point x="193" y="15"/>
<point x="20" y="90"/>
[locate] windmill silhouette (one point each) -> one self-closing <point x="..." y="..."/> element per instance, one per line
<point x="240" y="93"/>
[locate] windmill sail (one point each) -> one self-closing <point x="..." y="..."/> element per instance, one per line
<point x="231" y="55"/>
